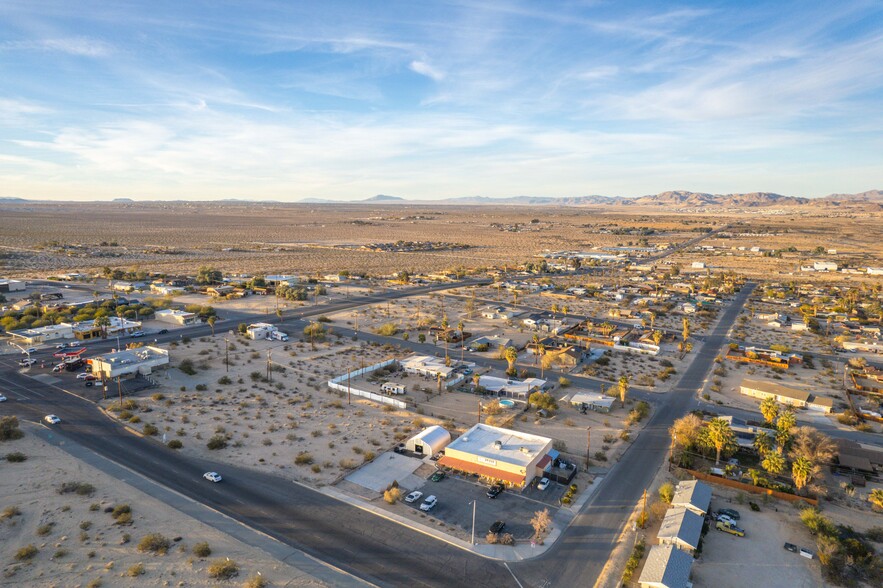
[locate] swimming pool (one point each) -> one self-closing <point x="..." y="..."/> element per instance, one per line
<point x="507" y="403"/>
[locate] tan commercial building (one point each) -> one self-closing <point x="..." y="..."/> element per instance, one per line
<point x="499" y="455"/>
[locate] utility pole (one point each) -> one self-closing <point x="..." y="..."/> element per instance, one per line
<point x="120" y="390"/>
<point x="226" y="353"/>
<point x="479" y="411"/>
<point x="588" y="445"/>
<point x="348" y="396"/>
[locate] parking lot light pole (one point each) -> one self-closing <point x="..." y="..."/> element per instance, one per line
<point x="474" y="503"/>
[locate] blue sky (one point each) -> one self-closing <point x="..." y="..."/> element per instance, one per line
<point x="333" y="99"/>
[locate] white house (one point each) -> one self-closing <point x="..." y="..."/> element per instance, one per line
<point x="824" y="266"/>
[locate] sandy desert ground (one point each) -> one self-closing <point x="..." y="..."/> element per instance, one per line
<point x="180" y="236"/>
<point x="78" y="543"/>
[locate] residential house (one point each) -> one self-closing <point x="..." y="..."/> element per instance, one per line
<point x="666" y="567"/>
<point x="692" y="495"/>
<point x="682" y="528"/>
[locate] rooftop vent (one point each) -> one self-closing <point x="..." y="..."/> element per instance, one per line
<point x="498" y="445"/>
<point x="524" y="449"/>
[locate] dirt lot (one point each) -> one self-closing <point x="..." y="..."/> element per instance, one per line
<point x="78" y="542"/>
<point x="728" y="561"/>
<point x="269" y="424"/>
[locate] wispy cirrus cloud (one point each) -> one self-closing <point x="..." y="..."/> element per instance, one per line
<point x="425" y="69"/>
<point x="78" y="46"/>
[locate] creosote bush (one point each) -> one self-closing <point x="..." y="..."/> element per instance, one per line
<point x="154" y="543"/>
<point x="202" y="549"/>
<point x="223" y="569"/>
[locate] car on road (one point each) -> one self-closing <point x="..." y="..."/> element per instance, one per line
<point x="85" y="376"/>
<point x="3" y="398"/>
<point x="138" y="334"/>
<point x="730" y="528"/>
<point x="27" y="362"/>
<point x="61" y="346"/>
<point x="414" y="496"/>
<point x="494" y="490"/>
<point x="729" y="512"/>
<point x="497" y="527"/>
<point x="51" y="419"/>
<point x="429" y="504"/>
<point x="543" y="484"/>
<point x="29" y="350"/>
<point x="162" y="331"/>
<point x="212" y="477"/>
<point x="76" y="344"/>
<point x="438" y="476"/>
<point x="58" y="367"/>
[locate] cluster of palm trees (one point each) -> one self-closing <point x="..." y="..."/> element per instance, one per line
<point x="804" y="447"/>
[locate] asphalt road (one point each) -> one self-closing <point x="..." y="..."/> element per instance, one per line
<point x="377" y="550"/>
<point x="578" y="558"/>
<point x="371" y="548"/>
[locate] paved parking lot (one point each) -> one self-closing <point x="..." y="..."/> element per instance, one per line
<point x="456" y="494"/>
<point x="759" y="557"/>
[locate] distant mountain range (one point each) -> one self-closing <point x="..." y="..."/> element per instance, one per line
<point x="675" y="198"/>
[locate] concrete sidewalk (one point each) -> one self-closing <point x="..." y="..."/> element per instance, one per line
<point x="301" y="565"/>
<point x="520" y="552"/>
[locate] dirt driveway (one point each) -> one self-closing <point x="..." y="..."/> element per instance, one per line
<point x="758" y="559"/>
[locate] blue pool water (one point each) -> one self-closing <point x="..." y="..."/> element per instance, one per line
<point x="507" y="403"/>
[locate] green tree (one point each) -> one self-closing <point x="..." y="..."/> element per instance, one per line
<point x="686" y="329"/>
<point x="657" y="337"/>
<point x="784" y="430"/>
<point x="769" y="408"/>
<point x="876" y="497"/>
<point x="720" y="437"/>
<point x="208" y="275"/>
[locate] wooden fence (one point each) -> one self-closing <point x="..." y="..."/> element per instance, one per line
<point x="751" y="488"/>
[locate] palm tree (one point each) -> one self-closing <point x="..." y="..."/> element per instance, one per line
<point x="763" y="444"/>
<point x="686" y="331"/>
<point x="769" y="408"/>
<point x="103" y="322"/>
<point x="541" y="349"/>
<point x="802" y="471"/>
<point x="211" y="322"/>
<point x="511" y="355"/>
<point x="784" y="427"/>
<point x="652" y="318"/>
<point x="720" y="436"/>
<point x="444" y="325"/>
<point x="774" y="463"/>
<point x="623" y="388"/>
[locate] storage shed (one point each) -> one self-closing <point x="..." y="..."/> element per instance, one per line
<point x="429" y="441"/>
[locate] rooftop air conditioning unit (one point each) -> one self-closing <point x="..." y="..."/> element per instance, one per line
<point x="498" y="445"/>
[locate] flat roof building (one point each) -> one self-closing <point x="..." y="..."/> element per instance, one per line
<point x="39" y="335"/>
<point x="12" y="285"/>
<point x="426" y="365"/>
<point x="142" y="360"/>
<point x="176" y="317"/>
<point x="498" y="454"/>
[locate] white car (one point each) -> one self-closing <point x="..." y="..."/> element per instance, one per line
<point x="725" y="519"/>
<point x="138" y="334"/>
<point x="27" y="362"/>
<point x="212" y="476"/>
<point x="29" y="350"/>
<point x="414" y="496"/>
<point x="429" y="504"/>
<point x="61" y="346"/>
<point x="52" y="419"/>
<point x="85" y="376"/>
<point x="2" y="398"/>
<point x="543" y="484"/>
